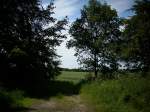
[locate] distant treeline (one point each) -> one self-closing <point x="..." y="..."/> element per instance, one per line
<point x="85" y="70"/>
<point x="73" y="69"/>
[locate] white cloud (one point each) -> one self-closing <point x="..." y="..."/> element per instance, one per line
<point x="120" y="5"/>
<point x="68" y="59"/>
<point x="64" y="8"/>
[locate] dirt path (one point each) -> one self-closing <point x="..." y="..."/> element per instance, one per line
<point x="61" y="104"/>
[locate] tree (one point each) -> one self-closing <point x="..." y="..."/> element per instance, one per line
<point x="95" y="37"/>
<point x="137" y="35"/>
<point x="28" y="36"/>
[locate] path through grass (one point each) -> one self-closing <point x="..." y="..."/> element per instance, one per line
<point x="65" y="96"/>
<point x="59" y="104"/>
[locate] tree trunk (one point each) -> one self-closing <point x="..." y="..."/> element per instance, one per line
<point x="95" y="73"/>
<point x="95" y="66"/>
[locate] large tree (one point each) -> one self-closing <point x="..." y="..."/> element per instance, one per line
<point x="28" y="36"/>
<point x="95" y="36"/>
<point x="137" y="37"/>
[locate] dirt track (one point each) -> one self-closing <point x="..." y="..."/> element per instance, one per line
<point x="65" y="104"/>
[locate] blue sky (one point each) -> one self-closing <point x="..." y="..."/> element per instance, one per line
<point x="71" y="8"/>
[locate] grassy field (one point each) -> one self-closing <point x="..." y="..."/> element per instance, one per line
<point x="74" y="77"/>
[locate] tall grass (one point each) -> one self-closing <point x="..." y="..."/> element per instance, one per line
<point x="127" y="94"/>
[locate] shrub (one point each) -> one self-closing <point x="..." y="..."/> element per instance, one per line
<point x="9" y="100"/>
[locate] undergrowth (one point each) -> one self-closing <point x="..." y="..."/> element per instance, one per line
<point x="126" y="94"/>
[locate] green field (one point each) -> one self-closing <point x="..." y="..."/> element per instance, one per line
<point x="74" y="77"/>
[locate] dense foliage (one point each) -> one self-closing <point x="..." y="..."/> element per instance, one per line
<point x="127" y="94"/>
<point x="28" y="36"/>
<point x="136" y="44"/>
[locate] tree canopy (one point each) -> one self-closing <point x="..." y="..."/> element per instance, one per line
<point x="95" y="36"/>
<point x="28" y="37"/>
<point x="137" y="37"/>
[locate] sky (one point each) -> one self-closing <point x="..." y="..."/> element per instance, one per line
<point x="71" y="9"/>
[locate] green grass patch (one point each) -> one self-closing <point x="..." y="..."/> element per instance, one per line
<point x="28" y="102"/>
<point x="74" y="77"/>
<point x="128" y="94"/>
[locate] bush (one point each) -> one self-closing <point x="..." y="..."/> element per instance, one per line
<point x="10" y="100"/>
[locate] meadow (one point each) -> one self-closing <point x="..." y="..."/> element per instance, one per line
<point x="74" y="77"/>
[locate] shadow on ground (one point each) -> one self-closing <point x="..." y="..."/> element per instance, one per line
<point x="55" y="88"/>
<point x="20" y="109"/>
<point x="63" y="87"/>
